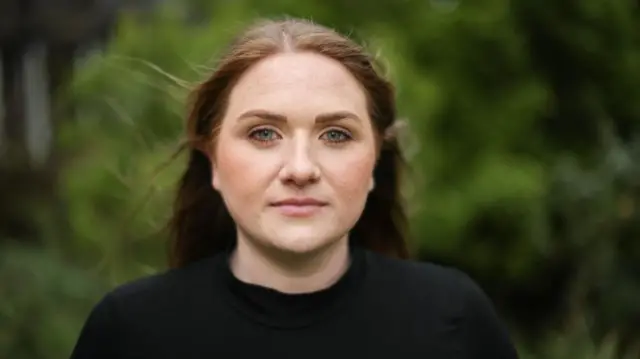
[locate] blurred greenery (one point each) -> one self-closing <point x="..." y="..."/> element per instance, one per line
<point x="523" y="139"/>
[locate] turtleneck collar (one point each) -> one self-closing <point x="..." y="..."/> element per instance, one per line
<point x="277" y="309"/>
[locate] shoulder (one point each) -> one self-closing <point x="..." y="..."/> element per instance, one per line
<point x="447" y="293"/>
<point x="167" y="288"/>
<point x="141" y="300"/>
<point x="171" y="280"/>
<point x="141" y="306"/>
<point x="425" y="279"/>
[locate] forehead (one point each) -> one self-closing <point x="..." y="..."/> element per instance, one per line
<point x="298" y="81"/>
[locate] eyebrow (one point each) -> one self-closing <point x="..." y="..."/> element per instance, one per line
<point x="321" y="118"/>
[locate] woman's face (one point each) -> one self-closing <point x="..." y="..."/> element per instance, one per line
<point x="295" y="154"/>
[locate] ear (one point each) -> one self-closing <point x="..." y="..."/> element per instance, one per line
<point x="215" y="181"/>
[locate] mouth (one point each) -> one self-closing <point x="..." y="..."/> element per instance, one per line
<point x="299" y="207"/>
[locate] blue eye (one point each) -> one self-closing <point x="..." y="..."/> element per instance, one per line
<point x="264" y="135"/>
<point x="336" y="136"/>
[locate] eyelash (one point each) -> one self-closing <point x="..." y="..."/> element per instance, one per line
<point x="252" y="134"/>
<point x="345" y="135"/>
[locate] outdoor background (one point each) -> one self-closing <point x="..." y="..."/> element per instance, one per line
<point x="523" y="115"/>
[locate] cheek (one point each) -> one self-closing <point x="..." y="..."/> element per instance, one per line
<point x="351" y="175"/>
<point x="238" y="174"/>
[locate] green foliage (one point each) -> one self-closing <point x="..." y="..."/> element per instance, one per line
<point x="578" y="343"/>
<point x="43" y="303"/>
<point x="131" y="104"/>
<point x="522" y="138"/>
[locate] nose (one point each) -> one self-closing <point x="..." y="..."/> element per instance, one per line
<point x="300" y="167"/>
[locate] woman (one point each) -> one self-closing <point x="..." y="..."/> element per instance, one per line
<point x="289" y="234"/>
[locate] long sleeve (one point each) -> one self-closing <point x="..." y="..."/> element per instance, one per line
<point x="485" y="335"/>
<point x="98" y="337"/>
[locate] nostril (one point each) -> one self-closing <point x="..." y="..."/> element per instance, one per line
<point x="300" y="176"/>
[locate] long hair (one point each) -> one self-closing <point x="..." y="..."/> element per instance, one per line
<point x="201" y="225"/>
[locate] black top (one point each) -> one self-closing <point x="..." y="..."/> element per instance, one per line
<point x="380" y="308"/>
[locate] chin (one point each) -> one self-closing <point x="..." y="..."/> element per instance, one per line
<point x="299" y="245"/>
<point x="302" y="243"/>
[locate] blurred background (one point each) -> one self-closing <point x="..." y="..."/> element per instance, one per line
<point x="524" y="124"/>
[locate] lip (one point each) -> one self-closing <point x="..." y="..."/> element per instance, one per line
<point x="299" y="207"/>
<point x="301" y="201"/>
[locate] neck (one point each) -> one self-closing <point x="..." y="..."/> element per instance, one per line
<point x="290" y="272"/>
